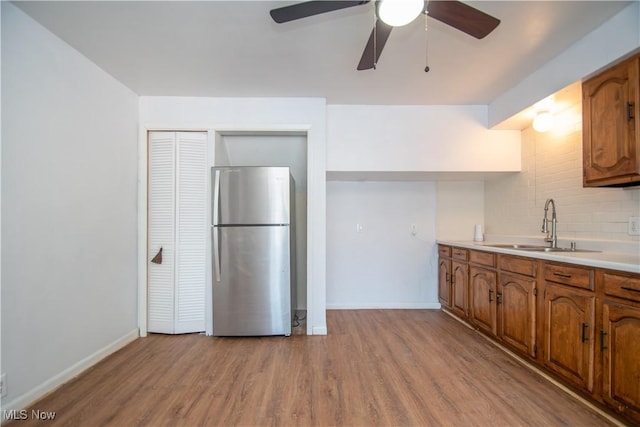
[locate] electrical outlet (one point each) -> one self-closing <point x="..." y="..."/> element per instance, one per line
<point x="634" y="226"/>
<point x="3" y="385"/>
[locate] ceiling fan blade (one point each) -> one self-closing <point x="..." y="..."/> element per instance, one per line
<point x="310" y="8"/>
<point x="381" y="32"/>
<point x="462" y="17"/>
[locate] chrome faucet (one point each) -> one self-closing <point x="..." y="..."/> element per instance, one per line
<point x="553" y="239"/>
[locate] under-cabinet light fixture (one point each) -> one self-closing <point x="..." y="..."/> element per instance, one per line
<point x="543" y="122"/>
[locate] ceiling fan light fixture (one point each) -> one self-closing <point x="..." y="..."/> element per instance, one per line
<point x="399" y="12"/>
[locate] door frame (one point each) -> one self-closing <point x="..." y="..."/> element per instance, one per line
<point x="214" y="133"/>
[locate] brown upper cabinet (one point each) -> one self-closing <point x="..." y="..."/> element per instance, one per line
<point x="610" y="126"/>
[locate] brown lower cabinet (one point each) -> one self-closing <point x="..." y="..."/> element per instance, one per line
<point x="444" y="281"/>
<point x="483" y="292"/>
<point x="502" y="299"/>
<point x="569" y="334"/>
<point x="459" y="282"/>
<point x="579" y="323"/>
<point x="517" y="313"/>
<point x="620" y="346"/>
<point x="459" y="288"/>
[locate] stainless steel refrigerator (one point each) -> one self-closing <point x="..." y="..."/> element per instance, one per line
<point x="253" y="251"/>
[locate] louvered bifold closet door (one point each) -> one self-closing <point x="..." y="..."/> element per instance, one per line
<point x="177" y="223"/>
<point x="161" y="232"/>
<point x="192" y="231"/>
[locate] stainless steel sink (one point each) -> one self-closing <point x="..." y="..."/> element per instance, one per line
<point x="545" y="249"/>
<point x="516" y="246"/>
<point x="535" y="248"/>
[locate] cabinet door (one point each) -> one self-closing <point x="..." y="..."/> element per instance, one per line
<point x="459" y="289"/>
<point x="620" y="343"/>
<point x="517" y="312"/>
<point x="569" y="334"/>
<point x="444" y="282"/>
<point x="610" y="116"/>
<point x="483" y="299"/>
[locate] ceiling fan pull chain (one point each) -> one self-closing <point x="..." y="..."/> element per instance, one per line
<point x="375" y="38"/>
<point x="426" y="42"/>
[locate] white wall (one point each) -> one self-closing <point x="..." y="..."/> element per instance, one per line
<point x="226" y="115"/>
<point x="438" y="138"/>
<point x="552" y="168"/>
<point x="460" y="207"/>
<point x="69" y="211"/>
<point x="383" y="265"/>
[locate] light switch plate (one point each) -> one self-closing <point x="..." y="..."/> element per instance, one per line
<point x="634" y="226"/>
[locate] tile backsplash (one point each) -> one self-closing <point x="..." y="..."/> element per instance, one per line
<point x="552" y="168"/>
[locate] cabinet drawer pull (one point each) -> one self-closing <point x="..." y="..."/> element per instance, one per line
<point x="602" y="335"/>
<point x="584" y="332"/>
<point x="630" y="111"/>
<point x="626" y="288"/>
<point x="566" y="276"/>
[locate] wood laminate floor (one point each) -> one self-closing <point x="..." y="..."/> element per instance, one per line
<point x="376" y="367"/>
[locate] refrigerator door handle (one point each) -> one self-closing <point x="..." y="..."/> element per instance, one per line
<point x="215" y="208"/>
<point x="216" y="253"/>
<point x="215" y="231"/>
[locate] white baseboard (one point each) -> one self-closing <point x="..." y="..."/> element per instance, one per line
<point x="33" y="395"/>
<point x="386" y="306"/>
<point x="319" y="330"/>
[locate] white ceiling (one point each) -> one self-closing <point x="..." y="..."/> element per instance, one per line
<point x="233" y="48"/>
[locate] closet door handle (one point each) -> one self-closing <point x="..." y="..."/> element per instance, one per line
<point x="584" y="332"/>
<point x="157" y="259"/>
<point x="490" y="295"/>
<point x="630" y="115"/>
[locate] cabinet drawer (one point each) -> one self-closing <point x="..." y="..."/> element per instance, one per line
<point x="483" y="258"/>
<point x="524" y="266"/>
<point x="444" y="251"/>
<point x="626" y="287"/>
<point x="569" y="275"/>
<point x="462" y="254"/>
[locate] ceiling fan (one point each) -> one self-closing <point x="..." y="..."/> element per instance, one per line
<point x="459" y="15"/>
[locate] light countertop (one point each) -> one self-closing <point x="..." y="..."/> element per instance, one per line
<point x="622" y="261"/>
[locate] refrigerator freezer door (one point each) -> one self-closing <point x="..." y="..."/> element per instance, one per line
<point x="251" y="195"/>
<point x="253" y="294"/>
